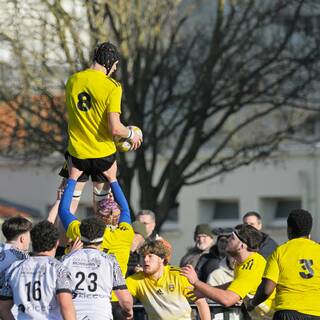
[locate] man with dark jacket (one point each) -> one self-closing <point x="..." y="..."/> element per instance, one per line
<point x="204" y="240"/>
<point x="211" y="261"/>
<point x="267" y="244"/>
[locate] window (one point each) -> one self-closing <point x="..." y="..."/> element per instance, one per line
<point x="219" y="212"/>
<point x="173" y="213"/>
<point x="275" y="210"/>
<point x="225" y="210"/>
<point x="284" y="206"/>
<point x="171" y="223"/>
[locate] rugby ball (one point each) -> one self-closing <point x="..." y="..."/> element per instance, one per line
<point x="124" y="144"/>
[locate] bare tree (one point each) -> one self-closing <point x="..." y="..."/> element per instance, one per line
<point x="214" y="85"/>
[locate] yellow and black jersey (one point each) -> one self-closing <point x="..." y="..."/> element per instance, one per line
<point x="115" y="241"/>
<point x="247" y="278"/>
<point x="295" y="268"/>
<point x="165" y="298"/>
<point x="90" y="96"/>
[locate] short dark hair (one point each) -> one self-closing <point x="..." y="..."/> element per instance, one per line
<point x="91" y="229"/>
<point x="44" y="236"/>
<point x="158" y="248"/>
<point x="252" y="213"/>
<point x="250" y="236"/>
<point x="300" y="223"/>
<point x="106" y="54"/>
<point x="14" y="227"/>
<point x="146" y="213"/>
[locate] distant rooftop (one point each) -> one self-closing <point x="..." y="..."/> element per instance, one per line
<point x="10" y="209"/>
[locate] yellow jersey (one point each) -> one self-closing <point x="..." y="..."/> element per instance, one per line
<point x="247" y="278"/>
<point x="295" y="268"/>
<point x="115" y="241"/>
<point x="90" y="96"/>
<point x="165" y="298"/>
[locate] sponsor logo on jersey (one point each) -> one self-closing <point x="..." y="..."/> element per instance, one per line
<point x="160" y="292"/>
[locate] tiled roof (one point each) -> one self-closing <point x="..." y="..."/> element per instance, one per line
<point x="37" y="113"/>
<point x="8" y="212"/>
<point x="10" y="209"/>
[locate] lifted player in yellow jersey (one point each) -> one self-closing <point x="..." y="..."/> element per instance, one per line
<point x="243" y="245"/>
<point x="293" y="269"/>
<point x="94" y="106"/>
<point x="161" y="289"/>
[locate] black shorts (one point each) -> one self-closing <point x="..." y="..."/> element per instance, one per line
<point x="91" y="167"/>
<point x="293" y="315"/>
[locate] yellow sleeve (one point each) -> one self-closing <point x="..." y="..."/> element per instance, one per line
<point x="272" y="269"/>
<point x="247" y="281"/>
<point x="114" y="103"/>
<point x="119" y="243"/>
<point x="73" y="230"/>
<point x="187" y="289"/>
<point x="132" y="285"/>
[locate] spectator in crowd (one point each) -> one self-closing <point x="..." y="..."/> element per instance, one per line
<point x="40" y="285"/>
<point x="148" y="218"/>
<point x="210" y="261"/>
<point x="293" y="272"/>
<point x="117" y="240"/>
<point x="96" y="276"/>
<point x="135" y="259"/>
<point x="224" y="273"/>
<point x="16" y="230"/>
<point x="161" y="289"/>
<point x="243" y="245"/>
<point x="267" y="245"/>
<point x="204" y="239"/>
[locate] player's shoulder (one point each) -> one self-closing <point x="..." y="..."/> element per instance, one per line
<point x="173" y="269"/>
<point x="254" y="262"/>
<point x="69" y="255"/>
<point x="12" y="254"/>
<point x="138" y="276"/>
<point x="15" y="265"/>
<point x="112" y="82"/>
<point x="19" y="255"/>
<point x="56" y="264"/>
<point x="297" y="245"/>
<point x="124" y="226"/>
<point x="108" y="257"/>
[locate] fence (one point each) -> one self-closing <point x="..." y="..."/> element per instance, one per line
<point x="217" y="312"/>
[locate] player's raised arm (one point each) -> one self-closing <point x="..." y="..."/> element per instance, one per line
<point x="118" y="194"/>
<point x="65" y="214"/>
